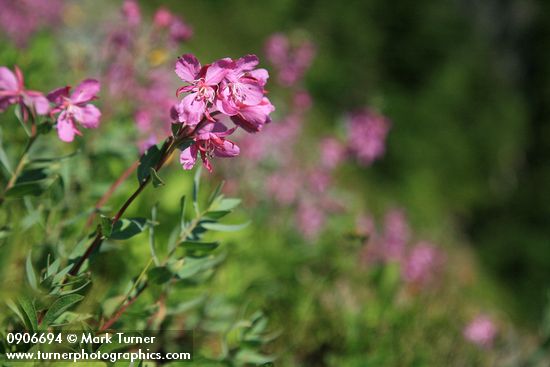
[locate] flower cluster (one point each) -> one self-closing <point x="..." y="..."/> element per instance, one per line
<point x="291" y="61"/>
<point x="72" y="108"/>
<point x="481" y="331"/>
<point x="419" y="262"/>
<point x="367" y="131"/>
<point x="232" y="89"/>
<point x="20" y="19"/>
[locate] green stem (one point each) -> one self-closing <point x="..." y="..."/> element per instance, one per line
<point x="20" y="166"/>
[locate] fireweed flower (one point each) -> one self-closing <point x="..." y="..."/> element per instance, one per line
<point x="20" y="19"/>
<point x="396" y="234"/>
<point x="481" y="331"/>
<point x="131" y="12"/>
<point x="422" y="264"/>
<point x="241" y="94"/>
<point x="367" y="131"/>
<point x="74" y="107"/>
<point x="203" y="84"/>
<point x="209" y="141"/>
<point x="12" y="91"/>
<point x="291" y="62"/>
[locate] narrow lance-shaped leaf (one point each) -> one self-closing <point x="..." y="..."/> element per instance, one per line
<point x="31" y="276"/>
<point x="58" y="307"/>
<point x="149" y="159"/>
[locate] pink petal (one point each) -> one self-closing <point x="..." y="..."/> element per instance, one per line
<point x="88" y="116"/>
<point x="217" y="71"/>
<point x="191" y="110"/>
<point x="8" y="81"/>
<point x="85" y="91"/>
<point x="253" y="118"/>
<point x="188" y="67"/>
<point x="65" y="128"/>
<point x="188" y="157"/>
<point x="261" y="75"/>
<point x="40" y="103"/>
<point x="227" y="149"/>
<point x="56" y="95"/>
<point x="252" y="92"/>
<point x="225" y="103"/>
<point x="246" y="63"/>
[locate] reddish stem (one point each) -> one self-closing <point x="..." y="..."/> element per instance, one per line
<point x="121" y="310"/>
<point x="110" y="192"/>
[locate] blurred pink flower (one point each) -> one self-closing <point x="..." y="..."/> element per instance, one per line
<point x="332" y="152"/>
<point x="12" y="91"/>
<point x="302" y="100"/>
<point x="283" y="187"/>
<point x="163" y="17"/>
<point x="481" y="331"/>
<point x="422" y="264"/>
<point x="180" y="31"/>
<point x="209" y="141"/>
<point x="396" y="234"/>
<point x="131" y="12"/>
<point x="367" y="131"/>
<point x="310" y="220"/>
<point x="74" y="108"/>
<point x="291" y="62"/>
<point x="19" y="19"/>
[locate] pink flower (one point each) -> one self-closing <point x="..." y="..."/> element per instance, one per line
<point x="74" y="107"/>
<point x="180" y="31"/>
<point x="209" y="141"/>
<point x="332" y="153"/>
<point x="242" y="94"/>
<point x="291" y="62"/>
<point x="283" y="187"/>
<point x="310" y="220"/>
<point x="131" y="11"/>
<point x="481" y="331"/>
<point x="367" y="133"/>
<point x="422" y="264"/>
<point x="163" y="17"/>
<point x="202" y="88"/>
<point x="396" y="234"/>
<point x="19" y="19"/>
<point x="12" y="91"/>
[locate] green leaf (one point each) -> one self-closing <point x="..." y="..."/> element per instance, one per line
<point x="159" y="275"/>
<point x="106" y="224"/>
<point x="246" y="356"/>
<point x="196" y="186"/>
<point x="224" y="227"/>
<point x="127" y="228"/>
<point x="152" y="234"/>
<point x="175" y="129"/>
<point x="149" y="159"/>
<point x="192" y="266"/>
<point x="59" y="306"/>
<point x="227" y="204"/>
<point x="199" y="246"/>
<point x="157" y="181"/>
<point x="215" y="195"/>
<point x="54" y="159"/>
<point x="31" y="276"/>
<point x="28" y="311"/>
<point x="34" y="188"/>
<point x="182" y="213"/>
<point x="4" y="157"/>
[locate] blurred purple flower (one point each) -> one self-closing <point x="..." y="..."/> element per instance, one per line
<point x="396" y="234"/>
<point x="19" y="19"/>
<point x="422" y="264"/>
<point x="310" y="220"/>
<point x="74" y="108"/>
<point x="367" y="133"/>
<point x="283" y="187"/>
<point x="291" y="62"/>
<point x="481" y="331"/>
<point x="12" y="91"/>
<point x="332" y="153"/>
<point x="131" y="12"/>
